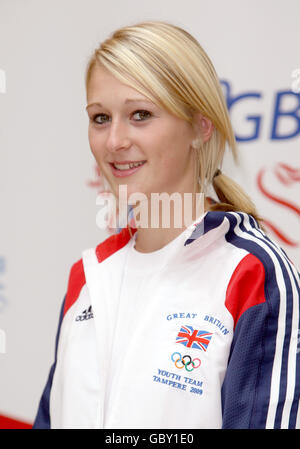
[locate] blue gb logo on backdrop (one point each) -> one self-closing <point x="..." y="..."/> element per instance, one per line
<point x="285" y="113"/>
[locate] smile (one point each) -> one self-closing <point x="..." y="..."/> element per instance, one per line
<point x="120" y="170"/>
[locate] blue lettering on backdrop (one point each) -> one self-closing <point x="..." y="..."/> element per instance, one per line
<point x="279" y="114"/>
<point x="231" y="100"/>
<point x="293" y="114"/>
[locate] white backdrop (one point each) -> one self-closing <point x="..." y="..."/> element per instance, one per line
<point x="48" y="181"/>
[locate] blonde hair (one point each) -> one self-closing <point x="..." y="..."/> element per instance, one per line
<point x="168" y="65"/>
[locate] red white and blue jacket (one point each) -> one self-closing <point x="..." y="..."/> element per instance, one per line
<point x="214" y="343"/>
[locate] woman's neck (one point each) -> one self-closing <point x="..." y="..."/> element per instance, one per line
<point x="149" y="239"/>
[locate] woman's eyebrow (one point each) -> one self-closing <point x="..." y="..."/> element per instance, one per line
<point x="128" y="100"/>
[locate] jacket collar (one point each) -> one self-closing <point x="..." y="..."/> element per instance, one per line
<point x="206" y="229"/>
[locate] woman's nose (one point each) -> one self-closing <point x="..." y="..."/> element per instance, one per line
<point x="117" y="138"/>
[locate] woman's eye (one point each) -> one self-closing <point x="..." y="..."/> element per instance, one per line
<point x="94" y="118"/>
<point x="101" y="118"/>
<point x="142" y="113"/>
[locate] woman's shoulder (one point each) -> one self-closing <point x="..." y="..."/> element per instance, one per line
<point x="93" y="256"/>
<point x="114" y="243"/>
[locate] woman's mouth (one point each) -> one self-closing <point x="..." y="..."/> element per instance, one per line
<point x="125" y="169"/>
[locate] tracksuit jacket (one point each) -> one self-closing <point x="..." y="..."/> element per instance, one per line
<point x="213" y="341"/>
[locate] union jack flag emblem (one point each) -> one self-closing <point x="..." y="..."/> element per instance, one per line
<point x="192" y="338"/>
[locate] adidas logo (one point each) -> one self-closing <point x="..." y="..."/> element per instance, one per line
<point x="87" y="314"/>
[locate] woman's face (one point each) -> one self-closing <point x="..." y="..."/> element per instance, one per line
<point x="125" y="126"/>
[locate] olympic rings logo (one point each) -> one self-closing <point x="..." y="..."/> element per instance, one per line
<point x="184" y="363"/>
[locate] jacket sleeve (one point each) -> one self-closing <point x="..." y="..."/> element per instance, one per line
<point x="42" y="419"/>
<point x="76" y="281"/>
<point x="261" y="387"/>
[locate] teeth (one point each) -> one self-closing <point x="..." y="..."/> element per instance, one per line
<point x="128" y="166"/>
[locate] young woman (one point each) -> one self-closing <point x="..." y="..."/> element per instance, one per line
<point x="190" y="325"/>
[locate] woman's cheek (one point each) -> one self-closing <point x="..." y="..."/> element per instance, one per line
<point x="96" y="147"/>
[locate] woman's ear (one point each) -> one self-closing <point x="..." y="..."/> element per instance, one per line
<point x="204" y="126"/>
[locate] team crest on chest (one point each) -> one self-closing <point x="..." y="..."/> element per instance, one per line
<point x="194" y="338"/>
